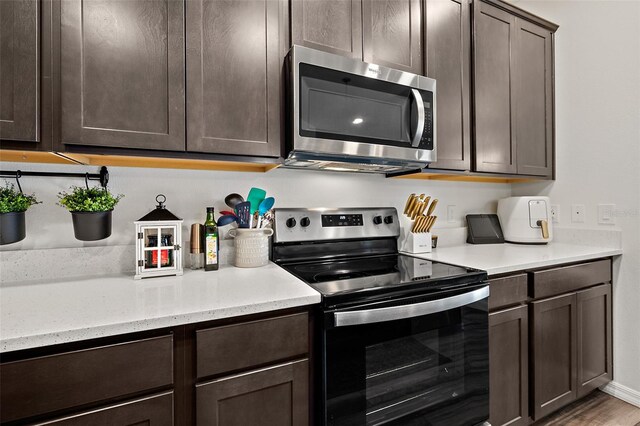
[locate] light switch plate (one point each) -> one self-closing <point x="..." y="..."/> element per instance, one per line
<point x="578" y="213"/>
<point x="451" y="213"/>
<point x="605" y="214"/>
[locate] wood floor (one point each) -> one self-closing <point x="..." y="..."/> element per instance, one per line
<point x="597" y="409"/>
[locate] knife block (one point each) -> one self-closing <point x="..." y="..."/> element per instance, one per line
<point x="408" y="242"/>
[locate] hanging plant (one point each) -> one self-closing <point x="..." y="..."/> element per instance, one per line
<point x="13" y="205"/>
<point x="91" y="210"/>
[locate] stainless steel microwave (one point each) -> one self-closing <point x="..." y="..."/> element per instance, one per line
<point x="349" y="115"/>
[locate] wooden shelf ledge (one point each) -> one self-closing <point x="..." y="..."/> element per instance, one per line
<point x="467" y="178"/>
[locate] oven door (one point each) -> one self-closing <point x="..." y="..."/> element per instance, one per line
<point x="344" y="107"/>
<point x="415" y="361"/>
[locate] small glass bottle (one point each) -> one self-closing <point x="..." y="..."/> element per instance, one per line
<point x="210" y="242"/>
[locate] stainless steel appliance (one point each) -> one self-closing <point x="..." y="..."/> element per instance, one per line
<point x="399" y="340"/>
<point x="349" y="115"/>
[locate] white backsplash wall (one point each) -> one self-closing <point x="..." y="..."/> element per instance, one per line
<point x="598" y="145"/>
<point x="189" y="192"/>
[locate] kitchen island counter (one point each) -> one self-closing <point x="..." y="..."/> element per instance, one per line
<point x="48" y="312"/>
<point x="499" y="259"/>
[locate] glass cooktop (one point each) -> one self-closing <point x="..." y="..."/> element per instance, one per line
<point x="365" y="275"/>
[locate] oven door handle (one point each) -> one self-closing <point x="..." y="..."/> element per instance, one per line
<point x="417" y="136"/>
<point x="370" y="316"/>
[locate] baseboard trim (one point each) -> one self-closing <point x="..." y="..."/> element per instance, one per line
<point x="622" y="392"/>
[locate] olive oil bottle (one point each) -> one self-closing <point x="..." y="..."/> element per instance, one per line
<point x="211" y="243"/>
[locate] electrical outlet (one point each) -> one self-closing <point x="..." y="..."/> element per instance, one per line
<point x="605" y="214"/>
<point x="578" y="213"/>
<point x="555" y="213"/>
<point x="451" y="214"/>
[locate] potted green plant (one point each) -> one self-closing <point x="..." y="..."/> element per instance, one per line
<point x="91" y="210"/>
<point x="13" y="205"/>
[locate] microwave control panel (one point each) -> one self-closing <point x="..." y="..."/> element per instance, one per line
<point x="426" y="142"/>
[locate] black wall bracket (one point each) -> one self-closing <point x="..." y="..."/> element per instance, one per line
<point x="102" y="176"/>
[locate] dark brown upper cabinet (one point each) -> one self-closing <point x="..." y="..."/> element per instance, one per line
<point x="392" y="34"/>
<point x="384" y="32"/>
<point x="495" y="144"/>
<point x="534" y="99"/>
<point x="235" y="54"/>
<point x="122" y="74"/>
<point x="513" y="91"/>
<point x="20" y="71"/>
<point x="333" y="26"/>
<point x="447" y="46"/>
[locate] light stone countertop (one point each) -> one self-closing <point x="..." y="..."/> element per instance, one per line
<point x="44" y="312"/>
<point x="504" y="258"/>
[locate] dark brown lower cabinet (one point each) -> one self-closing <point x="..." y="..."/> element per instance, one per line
<point x="272" y="396"/>
<point x="554" y="353"/>
<point x="594" y="338"/>
<point x="155" y="410"/>
<point x="509" y="366"/>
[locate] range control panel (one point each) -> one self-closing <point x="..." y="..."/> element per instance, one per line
<point x="320" y="224"/>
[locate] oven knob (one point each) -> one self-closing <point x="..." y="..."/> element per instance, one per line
<point x="388" y="219"/>
<point x="304" y="222"/>
<point x="377" y="220"/>
<point x="291" y="222"/>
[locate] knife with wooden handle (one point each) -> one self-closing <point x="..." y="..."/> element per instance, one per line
<point x="424" y="206"/>
<point x="432" y="207"/>
<point x="414" y="201"/>
<point x="433" y="222"/>
<point x="414" y="227"/>
<point x="425" y="223"/>
<point x="408" y="203"/>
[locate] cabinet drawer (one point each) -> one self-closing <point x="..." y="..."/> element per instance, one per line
<point x="238" y="346"/>
<point x="507" y="291"/>
<point x="41" y="385"/>
<point x="569" y="278"/>
<point x="155" y="410"/>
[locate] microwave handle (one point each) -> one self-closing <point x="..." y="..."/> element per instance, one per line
<point x="417" y="136"/>
<point x="370" y="316"/>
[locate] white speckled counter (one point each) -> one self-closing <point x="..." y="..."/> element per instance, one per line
<point x="42" y="313"/>
<point x="503" y="258"/>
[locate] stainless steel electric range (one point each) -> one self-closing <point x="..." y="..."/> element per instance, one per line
<point x="399" y="340"/>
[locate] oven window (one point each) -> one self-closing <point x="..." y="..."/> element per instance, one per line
<point x="337" y="105"/>
<point x="430" y="370"/>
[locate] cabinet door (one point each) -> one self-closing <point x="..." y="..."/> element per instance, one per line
<point x="235" y="52"/>
<point x="19" y="70"/>
<point x="495" y="144"/>
<point x="153" y="411"/>
<point x="448" y="60"/>
<point x="509" y="366"/>
<point x="392" y="34"/>
<point x="272" y="396"/>
<point x="594" y="338"/>
<point x="122" y="73"/>
<point x="533" y="99"/>
<point x="554" y="353"/>
<point x="334" y="26"/>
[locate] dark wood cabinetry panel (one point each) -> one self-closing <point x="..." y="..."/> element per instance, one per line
<point x="251" y="344"/>
<point x="507" y="291"/>
<point x="122" y="73"/>
<point x="509" y="366"/>
<point x="273" y="396"/>
<point x="235" y="52"/>
<point x="152" y="411"/>
<point x="495" y="144"/>
<point x="20" y="71"/>
<point x="533" y="98"/>
<point x="594" y="338"/>
<point x="334" y="26"/>
<point x="42" y="385"/>
<point x="554" y="353"/>
<point x="392" y="34"/>
<point x="563" y="279"/>
<point x="447" y="50"/>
